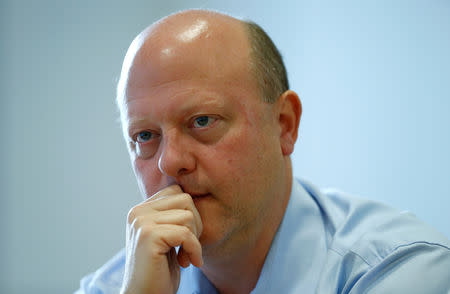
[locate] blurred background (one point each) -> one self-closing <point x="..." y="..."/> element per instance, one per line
<point x="373" y="77"/>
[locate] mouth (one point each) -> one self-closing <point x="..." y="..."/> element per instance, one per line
<point x="196" y="195"/>
<point x="199" y="196"/>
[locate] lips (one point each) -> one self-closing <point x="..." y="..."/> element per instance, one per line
<point x="198" y="196"/>
<point x="195" y="193"/>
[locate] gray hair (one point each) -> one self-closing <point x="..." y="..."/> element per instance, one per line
<point x="266" y="63"/>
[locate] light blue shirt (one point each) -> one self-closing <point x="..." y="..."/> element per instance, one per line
<point x="330" y="242"/>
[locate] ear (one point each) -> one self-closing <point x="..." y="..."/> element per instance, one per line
<point x="289" y="113"/>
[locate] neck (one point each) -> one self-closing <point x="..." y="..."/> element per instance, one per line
<point x="237" y="271"/>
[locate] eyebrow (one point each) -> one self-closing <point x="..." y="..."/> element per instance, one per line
<point x="206" y="102"/>
<point x="134" y="124"/>
<point x="138" y="121"/>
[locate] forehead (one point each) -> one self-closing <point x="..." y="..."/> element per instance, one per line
<point x="171" y="63"/>
<point x="201" y="48"/>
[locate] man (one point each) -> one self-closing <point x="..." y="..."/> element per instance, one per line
<point x="210" y="123"/>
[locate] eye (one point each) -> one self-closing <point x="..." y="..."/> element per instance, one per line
<point x="144" y="136"/>
<point x="203" y="121"/>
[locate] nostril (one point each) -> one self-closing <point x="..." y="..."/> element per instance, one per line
<point x="182" y="171"/>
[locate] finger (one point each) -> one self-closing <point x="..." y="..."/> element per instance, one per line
<point x="173" y="236"/>
<point x="164" y="202"/>
<point x="161" y="203"/>
<point x="183" y="258"/>
<point x="178" y="201"/>
<point x="172" y="257"/>
<point x="169" y="190"/>
<point x="182" y="217"/>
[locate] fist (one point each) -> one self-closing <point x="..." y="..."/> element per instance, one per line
<point x="166" y="220"/>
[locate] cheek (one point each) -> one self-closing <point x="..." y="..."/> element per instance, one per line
<point x="234" y="156"/>
<point x="148" y="176"/>
<point x="252" y="156"/>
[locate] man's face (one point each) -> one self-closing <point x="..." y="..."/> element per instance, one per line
<point x="199" y="121"/>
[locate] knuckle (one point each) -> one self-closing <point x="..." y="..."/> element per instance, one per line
<point x="137" y="222"/>
<point x="189" y="215"/>
<point x="186" y="197"/>
<point x="150" y="234"/>
<point x="131" y="216"/>
<point x="146" y="232"/>
<point x="185" y="232"/>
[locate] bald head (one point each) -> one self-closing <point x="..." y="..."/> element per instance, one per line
<point x="200" y="42"/>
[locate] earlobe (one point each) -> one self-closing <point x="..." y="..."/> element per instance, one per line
<point x="290" y="111"/>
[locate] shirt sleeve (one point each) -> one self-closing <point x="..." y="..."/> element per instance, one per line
<point x="85" y="286"/>
<point x="416" y="268"/>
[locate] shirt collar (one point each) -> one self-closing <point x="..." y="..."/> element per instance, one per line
<point x="298" y="250"/>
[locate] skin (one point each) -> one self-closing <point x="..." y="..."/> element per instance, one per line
<point x="210" y="157"/>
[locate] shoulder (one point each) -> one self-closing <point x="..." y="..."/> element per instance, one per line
<point x="107" y="279"/>
<point x="373" y="248"/>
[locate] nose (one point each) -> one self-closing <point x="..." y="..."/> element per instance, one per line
<point x="175" y="158"/>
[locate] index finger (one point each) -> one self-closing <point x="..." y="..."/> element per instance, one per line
<point x="169" y="190"/>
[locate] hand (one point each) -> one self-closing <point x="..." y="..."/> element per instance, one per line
<point x="155" y="227"/>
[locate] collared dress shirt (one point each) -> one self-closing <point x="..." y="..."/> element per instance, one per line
<point x="330" y="242"/>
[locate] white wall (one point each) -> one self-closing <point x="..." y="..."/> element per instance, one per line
<point x="373" y="78"/>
